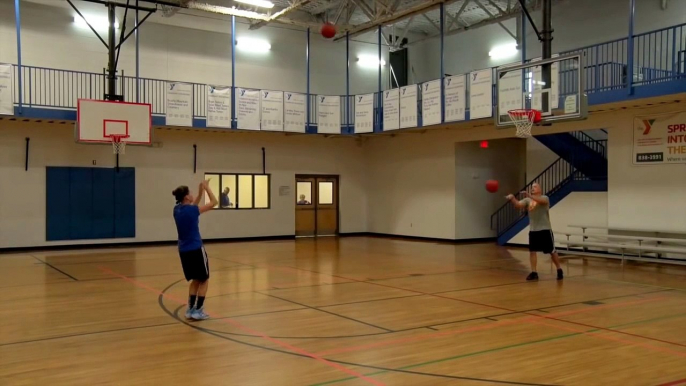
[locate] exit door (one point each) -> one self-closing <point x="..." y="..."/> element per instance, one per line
<point x="316" y="205"/>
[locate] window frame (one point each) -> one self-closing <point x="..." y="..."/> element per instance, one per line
<point x="237" y="175"/>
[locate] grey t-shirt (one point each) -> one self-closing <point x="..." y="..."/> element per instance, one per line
<point x="539" y="218"/>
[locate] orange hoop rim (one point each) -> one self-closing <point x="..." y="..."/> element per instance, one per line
<point x="532" y="115"/>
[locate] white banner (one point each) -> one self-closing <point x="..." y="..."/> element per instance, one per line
<point x="391" y="110"/>
<point x="431" y="103"/>
<point x="408" y="106"/>
<point x="272" y="110"/>
<point x="6" y="97"/>
<point x="364" y="113"/>
<point x="510" y="91"/>
<point x="481" y="94"/>
<point x="555" y="80"/>
<point x="248" y="109"/>
<point x="179" y="104"/>
<point x="660" y="139"/>
<point x="328" y="114"/>
<point x="294" y="112"/>
<point x="455" y="98"/>
<point x="219" y="106"/>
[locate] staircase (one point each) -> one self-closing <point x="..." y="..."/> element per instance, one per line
<point x="582" y="167"/>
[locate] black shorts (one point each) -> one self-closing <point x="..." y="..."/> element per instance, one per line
<point x="195" y="264"/>
<point x="542" y="241"/>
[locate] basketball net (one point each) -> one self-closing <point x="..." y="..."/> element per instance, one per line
<point x="118" y="146"/>
<point x="524" y="120"/>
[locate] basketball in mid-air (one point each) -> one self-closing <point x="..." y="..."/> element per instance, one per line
<point x="492" y="186"/>
<point x="328" y="30"/>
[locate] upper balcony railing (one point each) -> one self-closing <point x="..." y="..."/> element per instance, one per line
<point x="659" y="56"/>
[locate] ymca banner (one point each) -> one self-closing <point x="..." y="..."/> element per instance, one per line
<point x="408" y="106"/>
<point x="272" y="110"/>
<point x="660" y="139"/>
<point x="6" y="95"/>
<point x="364" y="113"/>
<point x="481" y="94"/>
<point x="455" y="98"/>
<point x="294" y="112"/>
<point x="328" y="114"/>
<point x="219" y="107"/>
<point x="431" y="103"/>
<point x="248" y="109"/>
<point x="391" y="110"/>
<point x="510" y="90"/>
<point x="179" y="104"/>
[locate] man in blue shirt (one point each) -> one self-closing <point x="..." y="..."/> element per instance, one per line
<point x="194" y="261"/>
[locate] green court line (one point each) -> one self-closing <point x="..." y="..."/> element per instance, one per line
<point x="503" y="348"/>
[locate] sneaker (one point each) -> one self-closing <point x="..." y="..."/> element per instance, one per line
<point x="189" y="312"/>
<point x="532" y="276"/>
<point x="560" y="274"/>
<point x="199" y="314"/>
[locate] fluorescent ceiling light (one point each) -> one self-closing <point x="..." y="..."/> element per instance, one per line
<point x="370" y="61"/>
<point x="257" y="3"/>
<point x="502" y="52"/>
<point x="253" y="45"/>
<point x="98" y="22"/>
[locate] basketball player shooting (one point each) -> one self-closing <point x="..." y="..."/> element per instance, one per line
<point x="194" y="261"/>
<point x="540" y="231"/>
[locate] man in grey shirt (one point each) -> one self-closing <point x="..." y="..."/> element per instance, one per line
<point x="540" y="231"/>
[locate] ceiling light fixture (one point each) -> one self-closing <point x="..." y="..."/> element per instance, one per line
<point x="253" y="45"/>
<point x="257" y="3"/>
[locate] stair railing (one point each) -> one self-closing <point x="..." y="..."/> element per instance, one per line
<point x="553" y="178"/>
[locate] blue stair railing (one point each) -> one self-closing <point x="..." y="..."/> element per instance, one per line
<point x="552" y="179"/>
<point x="599" y="146"/>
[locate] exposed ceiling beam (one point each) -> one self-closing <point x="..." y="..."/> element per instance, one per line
<point x="351" y="10"/>
<point x="365" y="9"/>
<point x="456" y="18"/>
<point x="389" y="19"/>
<point x="491" y="2"/>
<point x="402" y="37"/>
<point x="433" y="23"/>
<point x="281" y="13"/>
<point x="395" y="6"/>
<point x="492" y="16"/>
<point x="339" y="12"/>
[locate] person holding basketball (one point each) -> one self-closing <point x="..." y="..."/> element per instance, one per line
<point x="194" y="261"/>
<point x="540" y="231"/>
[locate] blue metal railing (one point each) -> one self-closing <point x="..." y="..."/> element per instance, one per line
<point x="551" y="180"/>
<point x="599" y="146"/>
<point x="659" y="56"/>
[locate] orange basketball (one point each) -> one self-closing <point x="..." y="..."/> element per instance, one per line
<point x="328" y="30"/>
<point x="492" y="186"/>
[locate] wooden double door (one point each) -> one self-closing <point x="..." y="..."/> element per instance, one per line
<point x="316" y="205"/>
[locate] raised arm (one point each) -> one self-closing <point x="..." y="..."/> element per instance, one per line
<point x="201" y="189"/>
<point x="213" y="199"/>
<point x="539" y="199"/>
<point x="518" y="204"/>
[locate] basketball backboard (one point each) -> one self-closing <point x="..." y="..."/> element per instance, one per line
<point x="102" y="121"/>
<point x="522" y="87"/>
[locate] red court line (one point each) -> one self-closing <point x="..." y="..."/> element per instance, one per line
<point x="674" y="383"/>
<point x="477" y="328"/>
<point x="595" y="335"/>
<point x="251" y="331"/>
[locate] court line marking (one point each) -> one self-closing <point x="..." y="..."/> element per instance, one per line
<point x="85" y="334"/>
<point x="497" y="307"/>
<point x="474" y="328"/>
<point x="56" y="269"/>
<point x="592" y="334"/>
<point x="516" y="345"/>
<point x="328" y="312"/>
<point x="210" y="332"/>
<point x="674" y="383"/>
<point x="252" y="331"/>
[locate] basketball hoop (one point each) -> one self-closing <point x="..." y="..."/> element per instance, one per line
<point x="524" y="120"/>
<point x="118" y="146"/>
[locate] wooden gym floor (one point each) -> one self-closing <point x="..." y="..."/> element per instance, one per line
<point x="350" y="311"/>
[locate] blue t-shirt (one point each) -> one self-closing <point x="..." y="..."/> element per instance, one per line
<point x="187" y="219"/>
